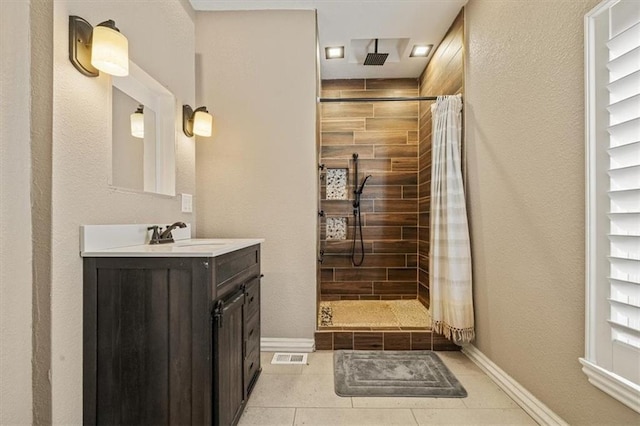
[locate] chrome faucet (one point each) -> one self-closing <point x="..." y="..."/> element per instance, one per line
<point x="162" y="237"/>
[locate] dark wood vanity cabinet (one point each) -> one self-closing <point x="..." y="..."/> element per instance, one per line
<point x="170" y="340"/>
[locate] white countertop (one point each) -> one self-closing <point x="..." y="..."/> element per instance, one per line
<point x="197" y="247"/>
<point x="133" y="241"/>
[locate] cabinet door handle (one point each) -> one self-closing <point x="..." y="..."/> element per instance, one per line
<point x="240" y="296"/>
<point x="249" y="281"/>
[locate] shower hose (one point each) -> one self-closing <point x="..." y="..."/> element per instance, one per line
<point x="357" y="226"/>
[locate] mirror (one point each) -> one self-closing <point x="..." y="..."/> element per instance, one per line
<point x="143" y="163"/>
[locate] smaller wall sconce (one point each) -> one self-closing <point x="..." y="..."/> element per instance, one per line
<point x="198" y="122"/>
<point x="102" y="48"/>
<point x="137" y="123"/>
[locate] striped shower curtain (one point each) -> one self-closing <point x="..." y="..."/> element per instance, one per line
<point x="450" y="257"/>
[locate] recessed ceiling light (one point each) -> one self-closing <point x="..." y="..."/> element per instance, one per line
<point x="336" y="52"/>
<point x="421" y="50"/>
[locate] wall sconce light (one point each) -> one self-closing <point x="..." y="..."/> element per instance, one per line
<point x="198" y="122"/>
<point x="137" y="123"/>
<point x="102" y="48"/>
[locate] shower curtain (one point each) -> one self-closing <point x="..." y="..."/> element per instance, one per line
<point x="450" y="257"/>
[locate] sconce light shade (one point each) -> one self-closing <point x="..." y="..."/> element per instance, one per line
<point x="110" y="49"/>
<point x="202" y="123"/>
<point x="137" y="123"/>
<point x="102" y="48"/>
<point x="198" y="122"/>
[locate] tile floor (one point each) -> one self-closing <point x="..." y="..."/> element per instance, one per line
<point x="304" y="395"/>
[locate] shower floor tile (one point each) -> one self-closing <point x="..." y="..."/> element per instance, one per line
<point x="389" y="314"/>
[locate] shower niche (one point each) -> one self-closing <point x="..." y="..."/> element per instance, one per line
<point x="336" y="228"/>
<point x="336" y="180"/>
<point x="336" y="184"/>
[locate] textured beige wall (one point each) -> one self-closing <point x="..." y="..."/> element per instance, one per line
<point x="41" y="36"/>
<point x="256" y="176"/>
<point x="161" y="41"/>
<point x="15" y="216"/>
<point x="524" y="112"/>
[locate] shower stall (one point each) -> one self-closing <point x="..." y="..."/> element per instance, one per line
<point x="373" y="224"/>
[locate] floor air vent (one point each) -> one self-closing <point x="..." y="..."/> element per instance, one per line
<point x="289" y="358"/>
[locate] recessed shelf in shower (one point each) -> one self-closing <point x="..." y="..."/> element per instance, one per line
<point x="336" y="228"/>
<point x="336" y="184"/>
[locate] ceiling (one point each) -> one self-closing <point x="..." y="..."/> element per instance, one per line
<point x="354" y="24"/>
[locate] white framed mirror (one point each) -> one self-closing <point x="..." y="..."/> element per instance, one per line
<point x="143" y="162"/>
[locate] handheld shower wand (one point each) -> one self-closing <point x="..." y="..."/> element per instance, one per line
<point x="363" y="183"/>
<point x="358" y="193"/>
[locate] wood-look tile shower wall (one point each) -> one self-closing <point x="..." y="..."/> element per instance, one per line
<point x="443" y="76"/>
<point x="385" y="136"/>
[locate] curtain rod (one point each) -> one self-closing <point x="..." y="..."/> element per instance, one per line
<point x="392" y="99"/>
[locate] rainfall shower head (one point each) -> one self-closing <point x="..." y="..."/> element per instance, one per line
<point x="375" y="58"/>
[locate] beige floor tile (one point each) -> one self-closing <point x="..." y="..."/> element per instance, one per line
<point x="353" y="416"/>
<point x="390" y="402"/>
<point x="482" y="392"/>
<point x="267" y="416"/>
<point x="493" y="416"/>
<point x="268" y="368"/>
<point x="296" y="390"/>
<point x="459" y="364"/>
<point x="319" y="363"/>
<point x="304" y="394"/>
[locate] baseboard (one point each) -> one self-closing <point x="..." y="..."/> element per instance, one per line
<point x="529" y="403"/>
<point x="283" y="344"/>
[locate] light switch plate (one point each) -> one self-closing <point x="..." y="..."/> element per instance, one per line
<point x="187" y="203"/>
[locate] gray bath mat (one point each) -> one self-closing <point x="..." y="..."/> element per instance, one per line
<point x="394" y="373"/>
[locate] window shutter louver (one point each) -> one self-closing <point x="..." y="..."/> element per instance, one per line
<point x="612" y="130"/>
<point x="624" y="192"/>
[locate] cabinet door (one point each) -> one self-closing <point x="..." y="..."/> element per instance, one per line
<point x="228" y="360"/>
<point x="146" y="342"/>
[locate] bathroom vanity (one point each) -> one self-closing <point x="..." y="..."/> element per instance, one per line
<point x="171" y="332"/>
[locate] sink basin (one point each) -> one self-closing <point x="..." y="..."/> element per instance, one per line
<point x="203" y="242"/>
<point x="199" y="244"/>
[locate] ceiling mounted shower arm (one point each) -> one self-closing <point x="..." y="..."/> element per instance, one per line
<point x="375" y="58"/>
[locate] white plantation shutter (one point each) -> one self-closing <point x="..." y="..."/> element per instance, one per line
<point x="624" y="190"/>
<point x="612" y="57"/>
